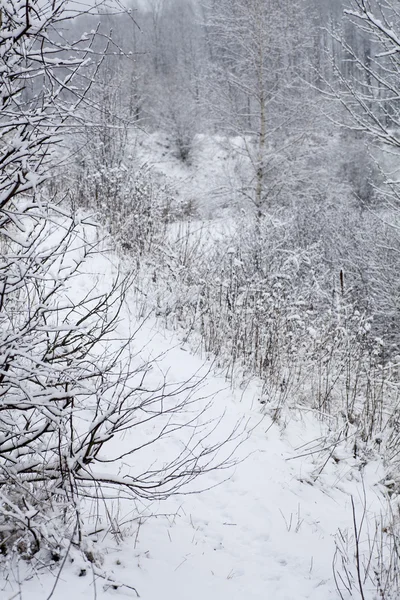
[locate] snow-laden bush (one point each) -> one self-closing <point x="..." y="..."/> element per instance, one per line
<point x="366" y="561"/>
<point x="291" y="317"/>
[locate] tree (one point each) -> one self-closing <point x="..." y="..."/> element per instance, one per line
<point x="174" y="49"/>
<point x="367" y="93"/>
<point x="258" y="57"/>
<point x="69" y="381"/>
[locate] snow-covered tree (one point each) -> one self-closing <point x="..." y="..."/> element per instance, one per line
<point x="259" y="54"/>
<point x="368" y="91"/>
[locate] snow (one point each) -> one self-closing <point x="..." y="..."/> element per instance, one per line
<point x="209" y="180"/>
<point x="264" y="529"/>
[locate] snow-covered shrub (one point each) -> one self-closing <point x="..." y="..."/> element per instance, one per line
<point x="292" y="317"/>
<point x="177" y="115"/>
<point x="366" y="561"/>
<point x="128" y="200"/>
<point x="360" y="171"/>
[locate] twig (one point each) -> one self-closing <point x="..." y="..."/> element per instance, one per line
<point x="357" y="538"/>
<point x="115" y="584"/>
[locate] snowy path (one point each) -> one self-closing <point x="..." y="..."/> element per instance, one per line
<point x="264" y="534"/>
<point x="261" y="535"/>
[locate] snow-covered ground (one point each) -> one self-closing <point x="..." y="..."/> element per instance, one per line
<point x="265" y="532"/>
<point x="210" y="180"/>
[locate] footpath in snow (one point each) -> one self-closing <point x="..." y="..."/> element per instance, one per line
<point x="266" y="532"/>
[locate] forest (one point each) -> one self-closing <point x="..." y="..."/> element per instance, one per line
<point x="199" y="262"/>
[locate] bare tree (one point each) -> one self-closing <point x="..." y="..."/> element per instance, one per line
<point x="259" y="53"/>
